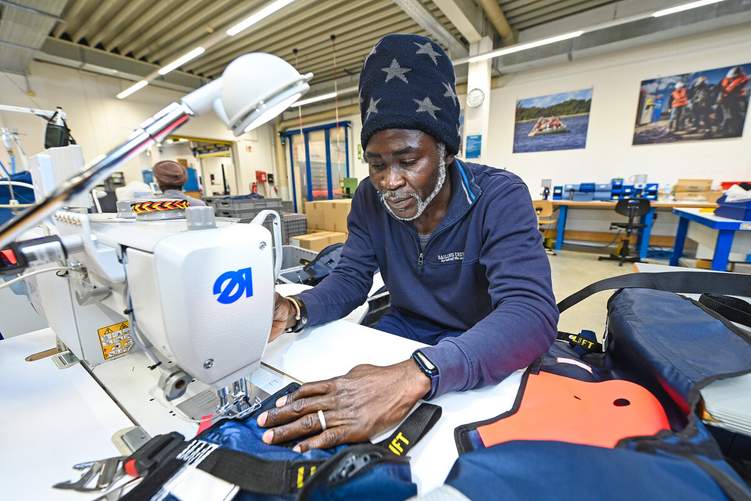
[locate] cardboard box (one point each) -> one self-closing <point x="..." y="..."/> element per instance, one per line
<point x="328" y="215"/>
<point x="335" y="215"/>
<point x="314" y="211"/>
<point x="697" y="196"/>
<point x="319" y="240"/>
<point x="692" y="185"/>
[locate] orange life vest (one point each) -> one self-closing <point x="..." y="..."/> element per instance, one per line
<point x="680" y="98"/>
<point x="559" y="408"/>
<point x="730" y="84"/>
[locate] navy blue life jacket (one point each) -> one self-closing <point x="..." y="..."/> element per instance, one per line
<point x="669" y="344"/>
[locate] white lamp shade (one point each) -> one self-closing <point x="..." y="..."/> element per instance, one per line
<point x="257" y="87"/>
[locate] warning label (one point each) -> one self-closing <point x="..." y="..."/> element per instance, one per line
<point x="115" y="339"/>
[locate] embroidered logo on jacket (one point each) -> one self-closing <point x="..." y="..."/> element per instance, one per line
<point x="451" y="256"/>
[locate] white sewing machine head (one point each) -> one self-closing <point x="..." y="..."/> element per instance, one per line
<point x="196" y="295"/>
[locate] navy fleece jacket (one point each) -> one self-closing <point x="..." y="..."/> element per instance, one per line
<point x="483" y="275"/>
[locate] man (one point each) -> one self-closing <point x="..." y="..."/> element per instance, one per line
<point x="171" y="176"/>
<point x="700" y="104"/>
<point x="456" y="243"/>
<point x="678" y="103"/>
<point x="733" y="100"/>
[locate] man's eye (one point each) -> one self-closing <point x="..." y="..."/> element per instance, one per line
<point x="377" y="166"/>
<point x="407" y="163"/>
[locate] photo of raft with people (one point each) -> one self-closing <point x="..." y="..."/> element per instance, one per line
<point x="553" y="122"/>
<point x="709" y="104"/>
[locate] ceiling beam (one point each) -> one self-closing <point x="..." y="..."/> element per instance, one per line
<point x="498" y="19"/>
<point x="437" y="31"/>
<point x="105" y="63"/>
<point x="466" y="16"/>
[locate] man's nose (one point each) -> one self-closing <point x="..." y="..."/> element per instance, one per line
<point x="393" y="179"/>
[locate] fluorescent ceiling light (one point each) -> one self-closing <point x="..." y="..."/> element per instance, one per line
<point x="257" y="16"/>
<point x="182" y="60"/>
<point x="524" y="46"/>
<point x="685" y="6"/>
<point x="315" y="99"/>
<point x="133" y="88"/>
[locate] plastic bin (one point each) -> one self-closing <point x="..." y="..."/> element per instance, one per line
<point x="291" y="272"/>
<point x="294" y="225"/>
<point x="243" y="202"/>
<point x="740" y="210"/>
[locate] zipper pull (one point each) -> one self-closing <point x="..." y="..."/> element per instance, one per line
<point x="420" y="260"/>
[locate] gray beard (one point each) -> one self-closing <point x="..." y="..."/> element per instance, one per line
<point x="421" y="204"/>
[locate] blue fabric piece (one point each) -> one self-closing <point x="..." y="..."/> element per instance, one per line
<point x="526" y="470"/>
<point x="23" y="195"/>
<point x="379" y="481"/>
<point x="382" y="482"/>
<point x="407" y="82"/>
<point x="664" y="340"/>
<point x="485" y="275"/>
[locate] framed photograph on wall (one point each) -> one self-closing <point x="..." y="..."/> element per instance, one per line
<point x="553" y="122"/>
<point x="708" y="104"/>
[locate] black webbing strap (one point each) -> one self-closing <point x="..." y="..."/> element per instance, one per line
<point x="734" y="309"/>
<point x="261" y="476"/>
<point x="278" y="478"/>
<point x="575" y="339"/>
<point x="689" y="282"/>
<point x="416" y="426"/>
<point x="152" y="483"/>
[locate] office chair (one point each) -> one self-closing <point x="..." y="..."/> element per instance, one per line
<point x="545" y="219"/>
<point x="633" y="209"/>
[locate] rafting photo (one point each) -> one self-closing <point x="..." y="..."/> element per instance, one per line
<point x="708" y="104"/>
<point x="553" y="122"/>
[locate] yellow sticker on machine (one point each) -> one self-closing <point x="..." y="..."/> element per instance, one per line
<point x="115" y="339"/>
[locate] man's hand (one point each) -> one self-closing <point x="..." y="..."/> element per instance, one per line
<point x="284" y="316"/>
<point x="362" y="403"/>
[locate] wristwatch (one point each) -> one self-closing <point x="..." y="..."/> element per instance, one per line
<point x="429" y="369"/>
<point x="301" y="314"/>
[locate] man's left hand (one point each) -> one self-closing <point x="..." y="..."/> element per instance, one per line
<point x="364" y="402"/>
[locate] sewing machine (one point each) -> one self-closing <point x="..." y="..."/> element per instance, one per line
<point x="194" y="295"/>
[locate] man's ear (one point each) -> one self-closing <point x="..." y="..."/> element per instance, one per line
<point x="450" y="158"/>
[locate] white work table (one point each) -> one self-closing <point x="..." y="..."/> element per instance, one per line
<point x="56" y="418"/>
<point x="333" y="349"/>
<point x="51" y="420"/>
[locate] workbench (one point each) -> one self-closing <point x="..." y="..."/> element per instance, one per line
<point x="648" y="219"/>
<point x="55" y="418"/>
<point x="725" y="228"/>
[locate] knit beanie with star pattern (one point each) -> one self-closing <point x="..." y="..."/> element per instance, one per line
<point x="407" y="82"/>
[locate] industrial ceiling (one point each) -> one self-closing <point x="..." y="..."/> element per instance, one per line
<point x="134" y="38"/>
<point x="158" y="32"/>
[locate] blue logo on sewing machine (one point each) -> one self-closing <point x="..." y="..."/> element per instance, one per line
<point x="232" y="285"/>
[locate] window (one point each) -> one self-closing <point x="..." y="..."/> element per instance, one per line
<point x="318" y="161"/>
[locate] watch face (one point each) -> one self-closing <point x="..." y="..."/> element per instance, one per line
<point x="475" y="98"/>
<point x="427" y="363"/>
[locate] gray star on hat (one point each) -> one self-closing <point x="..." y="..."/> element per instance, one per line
<point x="427" y="49"/>
<point x="450" y="93"/>
<point x="427" y="106"/>
<point x="396" y="71"/>
<point x="372" y="107"/>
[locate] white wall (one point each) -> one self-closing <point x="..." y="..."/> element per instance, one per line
<point x="616" y="79"/>
<point x="256" y="154"/>
<point x="98" y="120"/>
<point x="213" y="165"/>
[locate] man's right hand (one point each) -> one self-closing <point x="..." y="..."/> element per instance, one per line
<point x="284" y="316"/>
